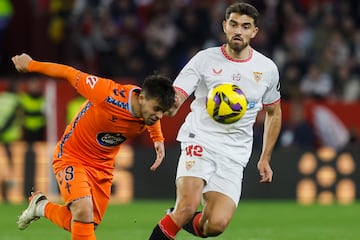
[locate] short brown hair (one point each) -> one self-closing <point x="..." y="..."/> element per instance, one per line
<point x="243" y="9"/>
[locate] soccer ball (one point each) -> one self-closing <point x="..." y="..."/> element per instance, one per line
<point x="226" y="103"/>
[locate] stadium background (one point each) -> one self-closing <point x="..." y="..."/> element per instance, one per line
<point x="125" y="40"/>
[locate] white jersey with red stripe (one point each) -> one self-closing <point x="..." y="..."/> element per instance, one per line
<point x="258" y="78"/>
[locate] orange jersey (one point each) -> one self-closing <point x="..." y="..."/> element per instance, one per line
<point x="104" y="121"/>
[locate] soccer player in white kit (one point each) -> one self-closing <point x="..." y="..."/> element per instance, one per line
<point x="214" y="155"/>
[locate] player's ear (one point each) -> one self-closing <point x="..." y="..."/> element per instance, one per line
<point x="224" y="26"/>
<point x="141" y="98"/>
<point x="256" y="29"/>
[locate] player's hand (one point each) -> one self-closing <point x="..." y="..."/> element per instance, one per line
<point x="160" y="154"/>
<point x="21" y="62"/>
<point x="265" y="171"/>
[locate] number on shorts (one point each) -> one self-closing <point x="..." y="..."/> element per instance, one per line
<point x="194" y="151"/>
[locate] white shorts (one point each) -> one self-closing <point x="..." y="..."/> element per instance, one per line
<point x="221" y="173"/>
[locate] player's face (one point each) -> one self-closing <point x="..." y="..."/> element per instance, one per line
<point x="151" y="111"/>
<point x="239" y="30"/>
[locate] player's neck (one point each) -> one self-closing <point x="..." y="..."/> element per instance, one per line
<point x="135" y="104"/>
<point x="239" y="55"/>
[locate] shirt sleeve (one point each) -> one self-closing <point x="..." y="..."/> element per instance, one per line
<point x="272" y="95"/>
<point x="91" y="87"/>
<point x="156" y="132"/>
<point x="189" y="77"/>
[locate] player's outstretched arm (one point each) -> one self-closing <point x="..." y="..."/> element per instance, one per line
<point x="24" y="63"/>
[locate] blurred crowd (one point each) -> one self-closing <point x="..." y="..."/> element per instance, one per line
<point x="316" y="44"/>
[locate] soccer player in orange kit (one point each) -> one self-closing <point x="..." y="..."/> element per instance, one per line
<point x="84" y="157"/>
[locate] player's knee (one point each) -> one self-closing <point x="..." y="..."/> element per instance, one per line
<point x="185" y="212"/>
<point x="82" y="212"/>
<point x="215" y="227"/>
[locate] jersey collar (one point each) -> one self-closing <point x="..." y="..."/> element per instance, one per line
<point x="234" y="59"/>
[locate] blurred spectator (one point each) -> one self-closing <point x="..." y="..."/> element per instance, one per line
<point x="299" y="35"/>
<point x="127" y="39"/>
<point x="355" y="49"/>
<point x="84" y="22"/>
<point x="118" y="61"/>
<point x="58" y="27"/>
<point x="161" y="36"/>
<point x="340" y="46"/>
<point x="161" y="30"/>
<point x="316" y="83"/>
<point x="10" y="131"/>
<point x="34" y="127"/>
<point x="322" y="34"/>
<point x="290" y="82"/>
<point x="193" y="22"/>
<point x="6" y="12"/>
<point x="347" y="84"/>
<point x="297" y="131"/>
<point x="216" y="15"/>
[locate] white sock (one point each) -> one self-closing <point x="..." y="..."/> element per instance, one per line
<point x="40" y="208"/>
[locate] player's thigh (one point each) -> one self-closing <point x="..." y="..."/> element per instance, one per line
<point x="189" y="188"/>
<point x="218" y="209"/>
<point x="73" y="181"/>
<point x="100" y="183"/>
<point x="77" y="182"/>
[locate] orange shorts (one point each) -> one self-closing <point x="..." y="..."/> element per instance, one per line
<point x="77" y="181"/>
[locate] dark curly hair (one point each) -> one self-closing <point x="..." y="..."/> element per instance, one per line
<point x="159" y="87"/>
<point x="243" y="8"/>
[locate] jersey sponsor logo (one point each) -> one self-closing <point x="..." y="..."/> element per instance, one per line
<point x="217" y="72"/>
<point x="258" y="76"/>
<point x="236" y="77"/>
<point x="119" y="92"/>
<point x="91" y="81"/>
<point x="251" y="104"/>
<point x="118" y="103"/>
<point x="110" y="139"/>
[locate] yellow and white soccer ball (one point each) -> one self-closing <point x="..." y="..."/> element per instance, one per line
<point x="226" y="103"/>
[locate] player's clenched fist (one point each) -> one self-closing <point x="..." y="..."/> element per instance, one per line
<point x="21" y="62"/>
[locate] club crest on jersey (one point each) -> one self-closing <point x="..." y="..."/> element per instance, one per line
<point x="236" y="77"/>
<point x="257" y="76"/>
<point x="189" y="163"/>
<point x="110" y="139"/>
<point x="217" y="72"/>
<point x="119" y="92"/>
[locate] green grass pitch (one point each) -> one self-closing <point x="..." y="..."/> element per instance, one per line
<point x="253" y="220"/>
